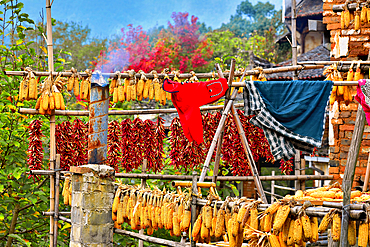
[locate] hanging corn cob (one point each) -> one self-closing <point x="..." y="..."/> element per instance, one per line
<point x="357" y="20"/>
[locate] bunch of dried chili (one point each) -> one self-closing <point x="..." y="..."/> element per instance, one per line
<point x="150" y="145"/>
<point x="80" y="137"/>
<point x="114" y="149"/>
<point x="126" y="129"/>
<point x="35" y="150"/>
<point x="286" y="167"/>
<point x="159" y="136"/>
<point x="65" y="145"/>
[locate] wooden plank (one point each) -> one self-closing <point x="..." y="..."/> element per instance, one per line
<point x="193" y="204"/>
<point x="366" y="182"/>
<point x="349" y="172"/>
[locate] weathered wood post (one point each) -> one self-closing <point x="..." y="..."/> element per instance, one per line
<point x="92" y="184"/>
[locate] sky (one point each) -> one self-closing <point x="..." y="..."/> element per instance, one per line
<point x="107" y="17"/>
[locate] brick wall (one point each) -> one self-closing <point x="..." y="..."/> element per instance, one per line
<point x="343" y="131"/>
<point x="359" y="40"/>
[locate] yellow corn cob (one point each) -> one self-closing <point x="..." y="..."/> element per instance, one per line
<point x="273" y="208"/>
<point x="225" y="238"/>
<point x="241" y="213"/>
<point x="357" y="75"/>
<point x="357" y="21"/>
<point x="76" y="86"/>
<point x="71" y="81"/>
<point x="220" y="223"/>
<point x="25" y="90"/>
<point x="133" y="92"/>
<point x="176" y="225"/>
<point x="56" y="99"/>
<point x="335" y="231"/>
<point x="347" y="18"/>
<point x="151" y="90"/>
<point x="227" y="217"/>
<point x="350" y="75"/>
<point x="146" y="88"/>
<point x="33" y="88"/>
<point x="197" y="226"/>
<point x="62" y="104"/>
<point x="363" y="233"/>
<point x="207" y="216"/>
<point x="120" y="93"/>
<point x="180" y="211"/>
<point x="120" y="213"/>
<point x="290" y="240"/>
<point x="21" y="90"/>
<point x="170" y="218"/>
<point x="267" y="223"/>
<point x="116" y="201"/>
<point x="240" y="90"/>
<point x="66" y="190"/>
<point x="38" y="102"/>
<point x="368" y="14"/>
<point x="342" y="21"/>
<point x="157" y="91"/>
<point x="147" y="221"/>
<point x="124" y="206"/>
<point x="70" y="195"/>
<point x="213" y="229"/>
<point x="136" y="217"/>
<point x="129" y="207"/>
<point x="352" y="232"/>
<point x="285" y="230"/>
<point x="186" y="220"/>
<point x="45" y="102"/>
<point x="140" y="88"/>
<point x="162" y="97"/>
<point x="85" y="91"/>
<point x="261" y="226"/>
<point x="274" y="241"/>
<point x="142" y="217"/>
<point x="232" y="239"/>
<point x="307" y="229"/>
<point x="315" y="228"/>
<point x="281" y="240"/>
<point x="52" y="102"/>
<point x="154" y="219"/>
<point x="159" y="217"/>
<point x="235" y="224"/>
<point x="112" y="85"/>
<point x="281" y="216"/>
<point x="115" y="95"/>
<point x="325" y="223"/>
<point x="363" y="15"/>
<point x="82" y="88"/>
<point x="204" y="232"/>
<point x="298" y="231"/>
<point x="254" y="220"/>
<point x="164" y="214"/>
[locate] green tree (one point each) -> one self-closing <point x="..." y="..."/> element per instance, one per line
<point x="74" y="38"/>
<point x="21" y="199"/>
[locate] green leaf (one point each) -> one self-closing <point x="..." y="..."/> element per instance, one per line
<point x="19" y="42"/>
<point x="20" y="239"/>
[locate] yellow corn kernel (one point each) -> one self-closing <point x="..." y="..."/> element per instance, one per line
<point x="186" y="220"/>
<point x="324" y="223"/>
<point x="281" y="216"/>
<point x="220" y="223"/>
<point x="290" y="240"/>
<point x="342" y="21"/>
<point x="176" y="225"/>
<point x="207" y="216"/>
<point x="273" y="208"/>
<point x="157" y="91"/>
<point x="357" y="21"/>
<point x="363" y="15"/>
<point x="315" y="228"/>
<point x="307" y="229"/>
<point x="197" y="225"/>
<point x="133" y="92"/>
<point x="241" y="213"/>
<point x="45" y="102"/>
<point x="151" y="91"/>
<point x="274" y="241"/>
<point x="235" y="224"/>
<point x="285" y="230"/>
<point x="115" y="95"/>
<point x="204" y="231"/>
<point x="71" y="81"/>
<point x="33" y="88"/>
<point x="140" y="88"/>
<point x="254" y="220"/>
<point x="352" y="232"/>
<point x="335" y="230"/>
<point x="162" y="97"/>
<point x="363" y="234"/>
<point x="120" y="93"/>
<point x="149" y="231"/>
<point x="347" y="18"/>
<point x="76" y="87"/>
<point x="52" y="102"/>
<point x="267" y="223"/>
<point x="281" y="240"/>
<point x="25" y="90"/>
<point x="146" y="88"/>
<point x="232" y="239"/>
<point x="120" y="219"/>
<point x="298" y="231"/>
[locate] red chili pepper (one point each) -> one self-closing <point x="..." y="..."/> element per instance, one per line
<point x="35" y="150"/>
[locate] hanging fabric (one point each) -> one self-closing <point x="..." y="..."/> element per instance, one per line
<point x="363" y="97"/>
<point x="291" y="113"/>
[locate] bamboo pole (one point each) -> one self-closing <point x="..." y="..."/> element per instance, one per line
<point x="221" y="137"/>
<point x="143" y="186"/>
<point x="209" y="178"/>
<point x="194" y="190"/>
<point x="162" y="242"/>
<point x="181" y="76"/>
<point x="123" y="112"/>
<point x="248" y="152"/>
<point x="190" y="184"/>
<point x="56" y="207"/>
<point x="367" y="175"/>
<point x="52" y="120"/>
<point x="332" y="62"/>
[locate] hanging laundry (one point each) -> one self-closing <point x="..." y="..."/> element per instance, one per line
<point x="363" y="97"/>
<point x="291" y="113"/>
<point x="187" y="97"/>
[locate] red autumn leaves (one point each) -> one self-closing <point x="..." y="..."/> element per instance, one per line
<point x="130" y="142"/>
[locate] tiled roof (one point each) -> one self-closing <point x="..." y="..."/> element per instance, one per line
<point x="320" y="53"/>
<point x="306" y="8"/>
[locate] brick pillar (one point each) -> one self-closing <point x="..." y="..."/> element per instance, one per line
<point x="92" y="199"/>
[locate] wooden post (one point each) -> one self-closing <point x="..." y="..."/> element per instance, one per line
<point x="249" y="154"/>
<point x="56" y="207"/>
<point x="366" y="182"/>
<point x="349" y="172"/>
<point x="49" y="35"/>
<point x="143" y="185"/>
<point x="193" y="205"/>
<point x="303" y="172"/>
<point x="272" y="188"/>
<point x="220" y="139"/>
<point x="294" y="38"/>
<point x="297" y="169"/>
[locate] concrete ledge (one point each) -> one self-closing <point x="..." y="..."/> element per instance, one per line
<point x="97" y="170"/>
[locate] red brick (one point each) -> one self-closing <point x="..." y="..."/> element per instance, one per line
<point x="365" y="136"/>
<point x="363" y="163"/>
<point x="365" y="30"/>
<point x="337" y="121"/>
<point x="359" y="38"/>
<point x="333" y="170"/>
<point x="333" y="156"/>
<point x="336" y="131"/>
<point x="331" y="19"/>
<point x="349" y="107"/>
<point x="348" y="134"/>
<point x="346" y="127"/>
<point x="336" y="177"/>
<point x="367" y="129"/>
<point x="348" y="32"/>
<point x="333" y="26"/>
<point x="344" y="148"/>
<point x="350" y="120"/>
<point x="345" y="114"/>
<point x="341" y="134"/>
<point x="360" y="170"/>
<point x="342" y="168"/>
<point x="365" y="143"/>
<point x="329" y="13"/>
<point x="327" y="6"/>
<point x="343" y="155"/>
<point x="365" y="149"/>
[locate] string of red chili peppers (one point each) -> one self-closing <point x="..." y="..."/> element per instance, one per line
<point x="35" y="150"/>
<point x="114" y="150"/>
<point x="80" y="142"/>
